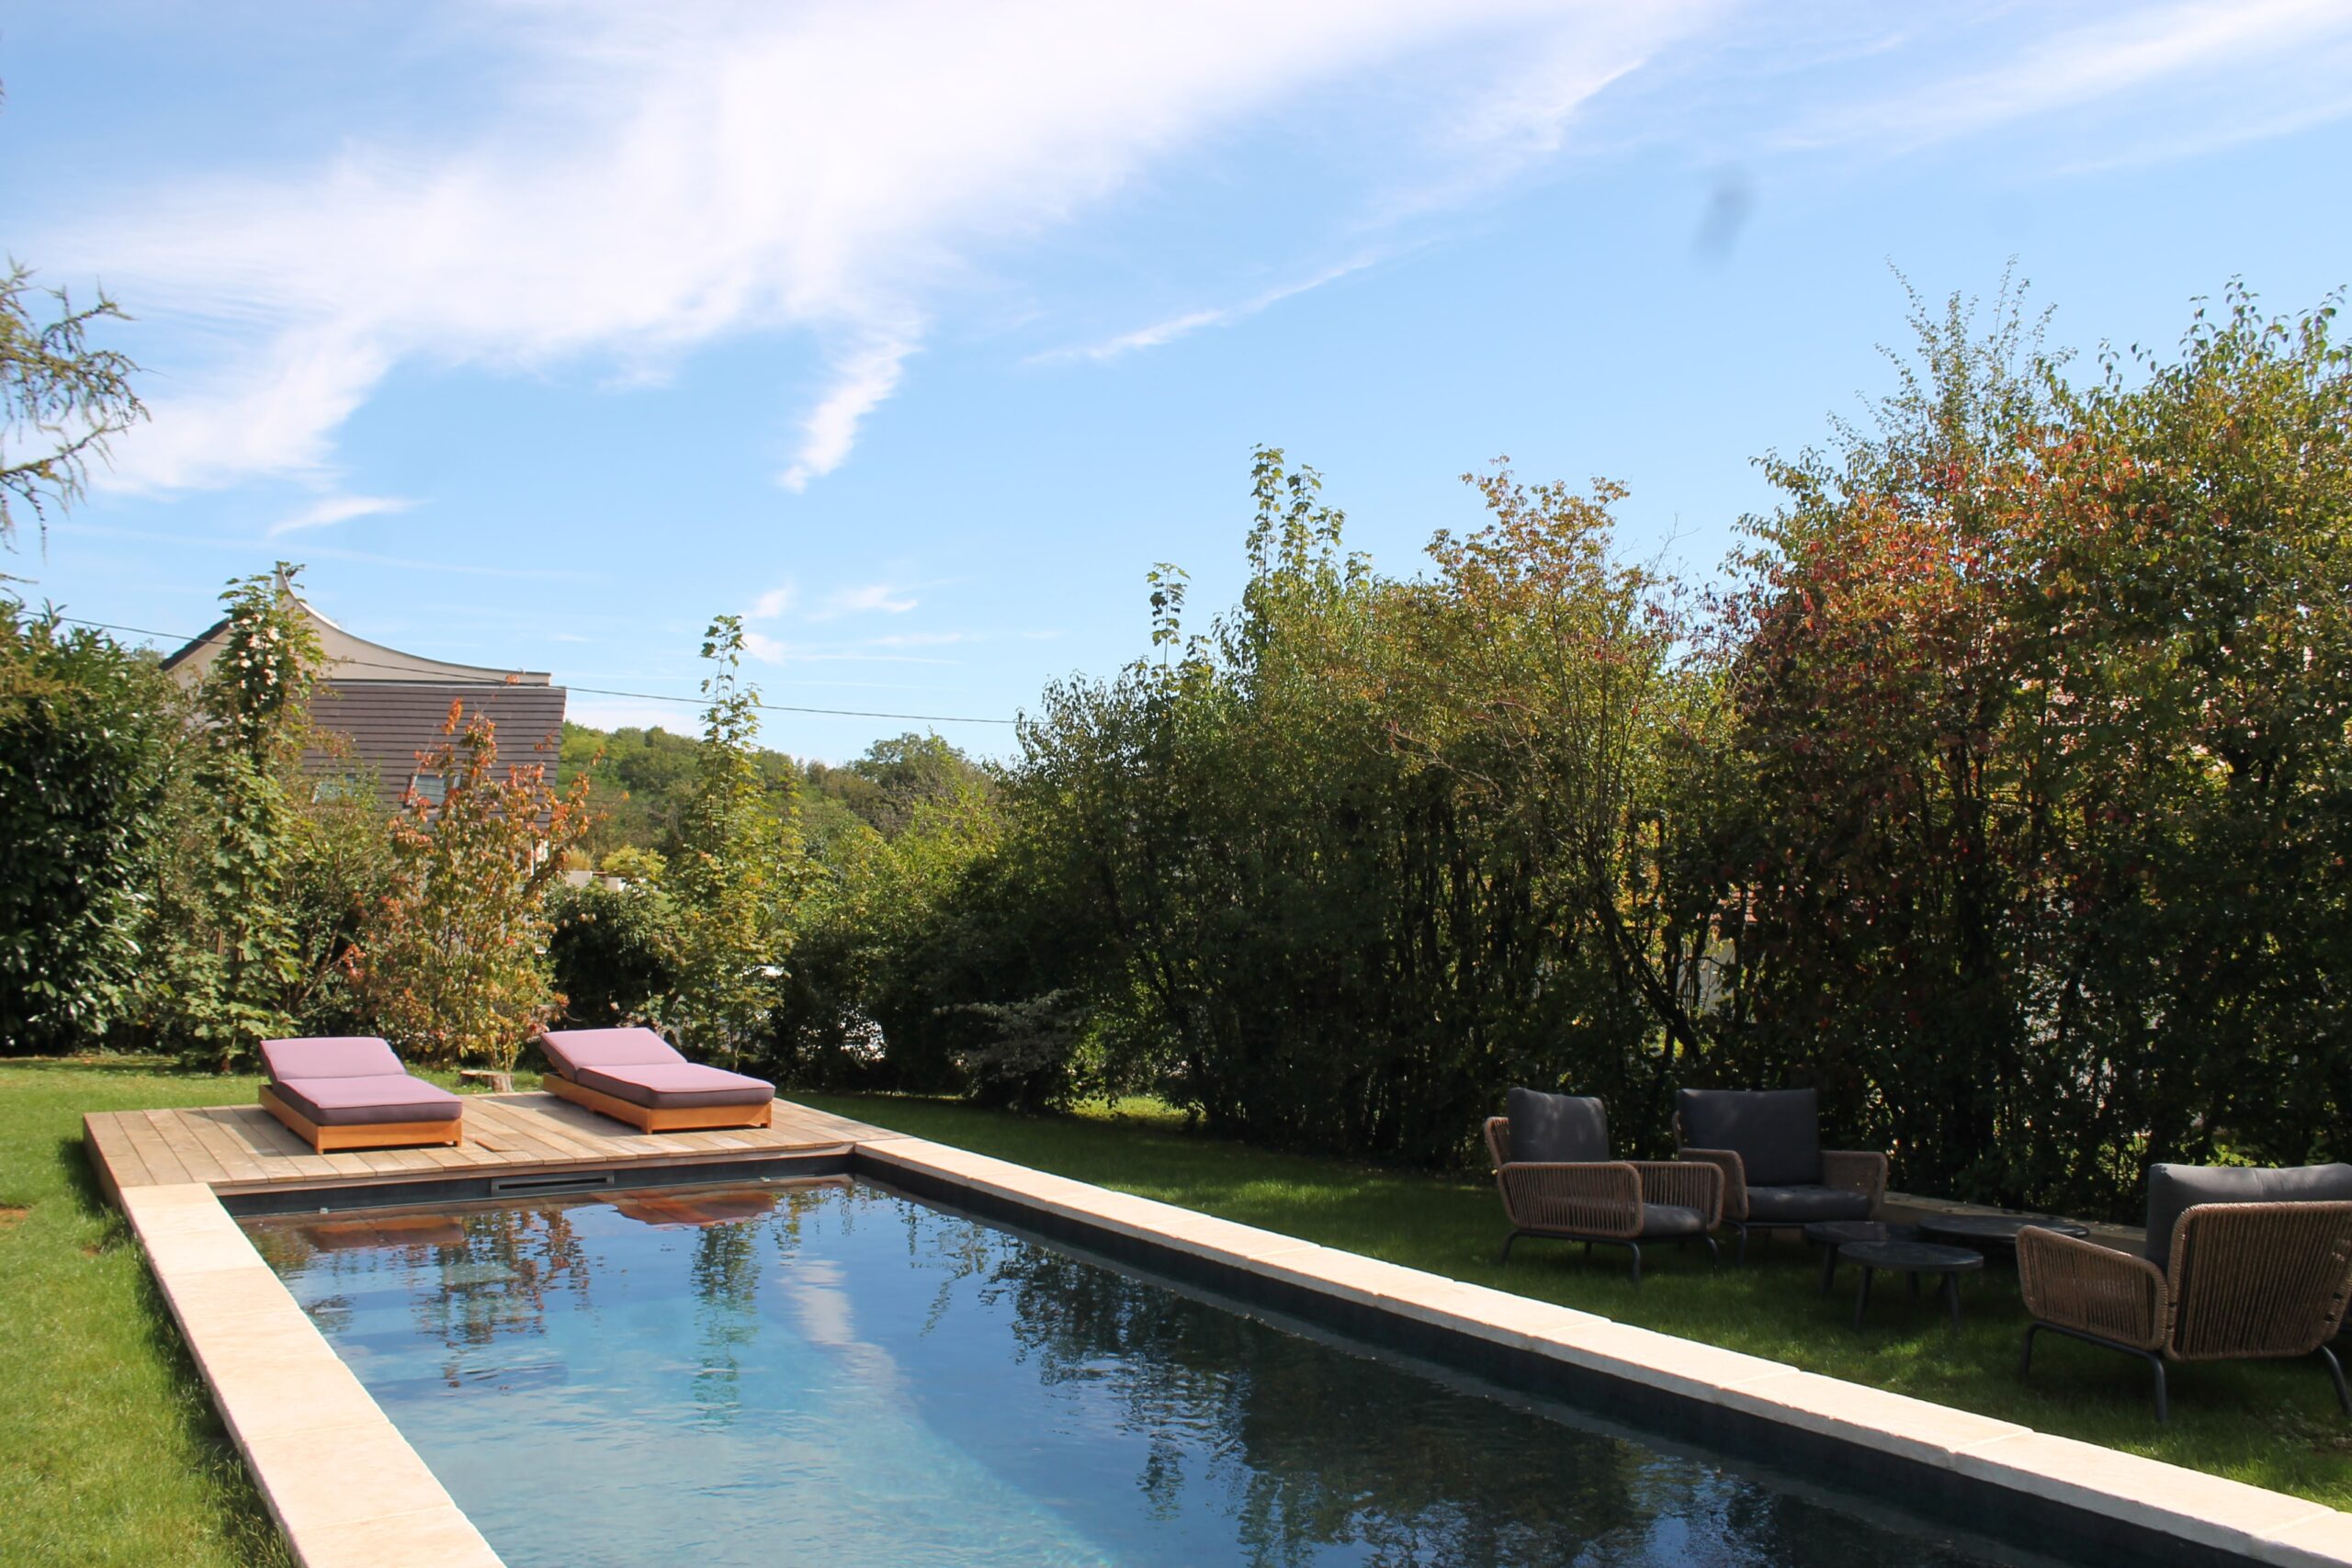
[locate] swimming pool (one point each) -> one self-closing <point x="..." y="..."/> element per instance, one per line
<point x="836" y="1372"/>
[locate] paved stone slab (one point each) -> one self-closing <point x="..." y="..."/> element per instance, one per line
<point x="342" y="1482"/>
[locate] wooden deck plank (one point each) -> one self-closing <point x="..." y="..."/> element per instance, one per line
<point x="179" y="1136"/>
<point x="243" y="1146"/>
<point x="221" y="1141"/>
<point x="162" y="1166"/>
<point x="111" y="1147"/>
<point x="186" y="1147"/>
<point x="525" y="1142"/>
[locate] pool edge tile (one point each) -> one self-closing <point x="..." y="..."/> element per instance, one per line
<point x="297" y="1413"/>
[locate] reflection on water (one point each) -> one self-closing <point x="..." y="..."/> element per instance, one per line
<point x="755" y="1375"/>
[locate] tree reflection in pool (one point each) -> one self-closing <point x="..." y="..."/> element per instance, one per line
<point x="832" y="1374"/>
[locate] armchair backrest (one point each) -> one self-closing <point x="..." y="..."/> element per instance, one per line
<point x="2259" y="1278"/>
<point x="1776" y="1132"/>
<point x="2174" y="1189"/>
<point x="1555" y="1129"/>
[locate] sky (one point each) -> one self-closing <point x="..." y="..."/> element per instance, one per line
<point x="542" y="331"/>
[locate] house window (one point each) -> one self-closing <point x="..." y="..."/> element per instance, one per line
<point x="430" y="788"/>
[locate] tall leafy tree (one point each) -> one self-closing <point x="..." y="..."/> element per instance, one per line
<point x="230" y="960"/>
<point x="736" y="873"/>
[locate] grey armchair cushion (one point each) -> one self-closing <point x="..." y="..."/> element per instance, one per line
<point x="1776" y="1132"/>
<point x="1803" y="1205"/>
<point x="1672" y="1219"/>
<point x="2174" y="1189"/>
<point x="1556" y="1129"/>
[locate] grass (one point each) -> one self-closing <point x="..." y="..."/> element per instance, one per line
<point x="2272" y="1424"/>
<point x="110" y="1452"/>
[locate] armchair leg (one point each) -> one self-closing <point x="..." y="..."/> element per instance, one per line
<point x="1506" y="1241"/>
<point x="1741" y="1255"/>
<point x="2336" y="1375"/>
<point x="2156" y="1361"/>
<point x="1715" y="1259"/>
<point x="1635" y="1248"/>
<point x="2025" y="1361"/>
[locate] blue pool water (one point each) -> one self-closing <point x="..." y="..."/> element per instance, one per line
<point x="833" y="1374"/>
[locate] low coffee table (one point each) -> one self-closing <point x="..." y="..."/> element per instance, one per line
<point x="1996" y="1230"/>
<point x="1831" y="1234"/>
<point x="1915" y="1258"/>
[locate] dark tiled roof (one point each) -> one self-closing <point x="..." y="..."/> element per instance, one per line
<point x="388" y="722"/>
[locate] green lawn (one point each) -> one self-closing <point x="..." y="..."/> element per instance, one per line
<point x="109" y="1452"/>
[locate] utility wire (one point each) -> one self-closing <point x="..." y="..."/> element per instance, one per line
<point x="597" y="691"/>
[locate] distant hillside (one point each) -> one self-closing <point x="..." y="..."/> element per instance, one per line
<point x="638" y="780"/>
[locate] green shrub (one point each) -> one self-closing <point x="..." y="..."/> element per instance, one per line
<point x="84" y="730"/>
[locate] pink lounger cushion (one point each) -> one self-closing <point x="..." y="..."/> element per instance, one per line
<point x="368" y="1101"/>
<point x="352" y="1081"/>
<point x="569" y="1050"/>
<point x="640" y="1066"/>
<point x="355" y="1056"/>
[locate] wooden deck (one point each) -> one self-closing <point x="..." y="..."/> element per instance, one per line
<point x="241" y="1149"/>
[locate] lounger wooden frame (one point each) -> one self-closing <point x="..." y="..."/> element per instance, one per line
<point x="333" y="1138"/>
<point x="659" y="1119"/>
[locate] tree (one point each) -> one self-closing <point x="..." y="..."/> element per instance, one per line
<point x="452" y="967"/>
<point x="229" y="953"/>
<point x="70" y="398"/>
<point x="85" y="732"/>
<point x="736" y="873"/>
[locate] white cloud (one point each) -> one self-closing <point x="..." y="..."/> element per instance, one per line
<point x="882" y="598"/>
<point x="863" y="380"/>
<point x="339" y="509"/>
<point x="762" y="647"/>
<point x="2197" y="46"/>
<point x="652" y="179"/>
<point x="1169" y="331"/>
<point x="774" y="603"/>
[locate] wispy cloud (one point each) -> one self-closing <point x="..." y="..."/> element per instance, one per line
<point x="339" y="509"/>
<point x="656" y="179"/>
<point x="860" y="382"/>
<point x="2198" y="46"/>
<point x="872" y="598"/>
<point x="1169" y="331"/>
<point x="774" y="603"/>
<point x="245" y="547"/>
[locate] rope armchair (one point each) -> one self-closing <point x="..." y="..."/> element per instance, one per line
<point x="1776" y="1175"/>
<point x="2261" y="1271"/>
<point x="1589" y="1197"/>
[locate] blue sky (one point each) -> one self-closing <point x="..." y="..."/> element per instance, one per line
<point x="543" y="331"/>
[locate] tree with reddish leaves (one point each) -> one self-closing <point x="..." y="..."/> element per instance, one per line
<point x="452" y="967"/>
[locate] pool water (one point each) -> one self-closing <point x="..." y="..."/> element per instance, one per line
<point x="832" y="1373"/>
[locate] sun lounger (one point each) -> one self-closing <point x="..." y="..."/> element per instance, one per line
<point x="354" y="1094"/>
<point x="633" y="1075"/>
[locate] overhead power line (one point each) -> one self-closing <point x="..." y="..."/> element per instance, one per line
<point x="597" y="691"/>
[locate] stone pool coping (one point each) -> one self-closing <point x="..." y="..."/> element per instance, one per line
<point x="346" y="1488"/>
<point x="349" y="1492"/>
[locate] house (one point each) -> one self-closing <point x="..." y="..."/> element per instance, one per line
<point x="388" y="707"/>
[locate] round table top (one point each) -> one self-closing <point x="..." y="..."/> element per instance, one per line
<point x="1911" y="1256"/>
<point x="1838" y="1232"/>
<point x="1999" y="1227"/>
